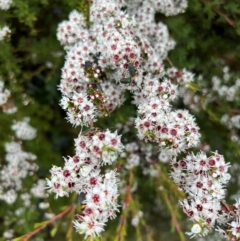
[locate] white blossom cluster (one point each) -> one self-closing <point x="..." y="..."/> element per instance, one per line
<point x="122" y="50"/>
<point x="5" y="4"/>
<point x="136" y="219"/>
<point x="17" y="168"/>
<point x="4" y="94"/>
<point x="139" y="154"/>
<point x="4" y="32"/>
<point x="203" y="179"/>
<point x="68" y="31"/>
<point x="23" y="130"/>
<point x="232" y="228"/>
<point x="231" y="122"/>
<point x="224" y="88"/>
<point x="81" y="174"/>
<point x="8" y="234"/>
<point x="102" y="61"/>
<point x="174" y="131"/>
<point x="149" y="32"/>
<point x="7" y="107"/>
<point x="167" y="7"/>
<point x="17" y="164"/>
<point x="113" y="50"/>
<point x="133" y="158"/>
<point x="38" y="189"/>
<point x="182" y="77"/>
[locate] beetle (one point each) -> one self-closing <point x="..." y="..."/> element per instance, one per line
<point x="81" y="198"/>
<point x="90" y="131"/>
<point x="88" y="64"/>
<point x="131" y="70"/>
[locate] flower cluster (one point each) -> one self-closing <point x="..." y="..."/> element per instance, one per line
<point x="224" y="86"/>
<point x="233" y="224"/>
<point x="4" y="32"/>
<point x="152" y="37"/>
<point x="81" y="174"/>
<point x="5" y="104"/>
<point x="103" y="60"/>
<point x="231" y="122"/>
<point x="167" y="7"/>
<point x="81" y="111"/>
<point x="17" y="164"/>
<point x="135" y="221"/>
<point x="174" y="131"/>
<point x="23" y="130"/>
<point x="122" y="50"/>
<point x="181" y="77"/>
<point x="203" y="179"/>
<point x="109" y="56"/>
<point x="4" y="94"/>
<point x="68" y="31"/>
<point x="15" y="170"/>
<point x="5" y="4"/>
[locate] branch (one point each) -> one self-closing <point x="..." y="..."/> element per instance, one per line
<point x="170" y="207"/>
<point x="60" y="215"/>
<point x="170" y="62"/>
<point x="124" y="217"/>
<point x="229" y="208"/>
<point x="228" y="20"/>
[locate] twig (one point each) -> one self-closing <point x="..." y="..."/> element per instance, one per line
<point x="89" y="3"/>
<point x="60" y="215"/>
<point x="230" y="21"/>
<point x="37" y="71"/>
<point x="149" y="237"/>
<point x="128" y="197"/>
<point x="170" y="62"/>
<point x="70" y="230"/>
<point x="170" y="207"/>
<point x="229" y="208"/>
<point x="234" y="111"/>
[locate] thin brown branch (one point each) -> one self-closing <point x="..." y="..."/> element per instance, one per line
<point x="234" y="111"/>
<point x="149" y="237"/>
<point x="170" y="207"/>
<point x="126" y="202"/>
<point x="60" y="215"/>
<point x="89" y="3"/>
<point x="229" y="61"/>
<point x="70" y="230"/>
<point x="228" y="20"/>
<point x="37" y="71"/>
<point x="220" y="13"/>
<point x="170" y="62"/>
<point x="229" y="208"/>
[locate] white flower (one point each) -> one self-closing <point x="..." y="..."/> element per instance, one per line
<point x="85" y="170"/>
<point x="196" y="228"/>
<point x="5" y="4"/>
<point x="88" y="226"/>
<point x="108" y="157"/>
<point x="23" y="130"/>
<point x="235" y="228"/>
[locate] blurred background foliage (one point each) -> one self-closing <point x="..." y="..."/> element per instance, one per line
<point x="207" y="37"/>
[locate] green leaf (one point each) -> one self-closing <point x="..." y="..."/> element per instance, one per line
<point x="194" y="87"/>
<point x="54" y="231"/>
<point x="109" y="149"/>
<point x="37" y="225"/>
<point x="19" y="238"/>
